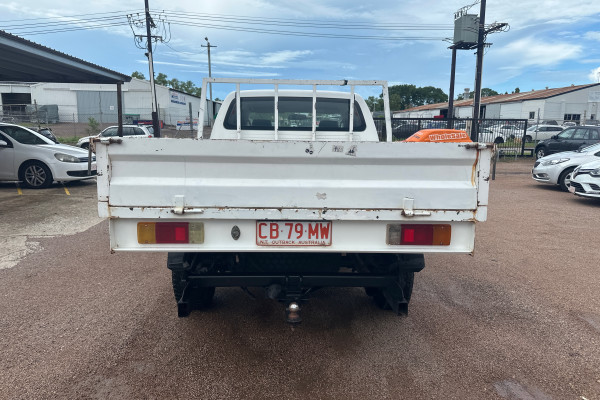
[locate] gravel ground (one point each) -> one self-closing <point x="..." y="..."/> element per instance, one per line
<point x="518" y="320"/>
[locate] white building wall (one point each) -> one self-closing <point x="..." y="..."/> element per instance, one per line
<point x="59" y="94"/>
<point x="570" y="103"/>
<point x="14" y="88"/>
<point x="533" y="106"/>
<point x="510" y="110"/>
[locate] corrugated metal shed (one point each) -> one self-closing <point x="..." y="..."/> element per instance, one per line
<point x="26" y="61"/>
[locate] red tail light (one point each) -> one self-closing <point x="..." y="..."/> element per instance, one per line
<point x="419" y="234"/>
<point x="172" y="232"/>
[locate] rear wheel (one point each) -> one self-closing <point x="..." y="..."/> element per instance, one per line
<point x="499" y="140"/>
<point x="564" y="180"/>
<point x="85" y="145"/>
<point x="405" y="280"/>
<point x="528" y="138"/>
<point x="179" y="264"/>
<point x="36" y="175"/>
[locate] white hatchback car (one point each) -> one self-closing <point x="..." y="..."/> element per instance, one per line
<point x="585" y="180"/>
<point x="556" y="169"/>
<point x="111" y="131"/>
<point x="37" y="161"/>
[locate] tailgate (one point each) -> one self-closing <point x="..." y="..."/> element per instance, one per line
<point x="246" y="180"/>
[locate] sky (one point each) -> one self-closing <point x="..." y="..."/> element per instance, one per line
<point x="548" y="44"/>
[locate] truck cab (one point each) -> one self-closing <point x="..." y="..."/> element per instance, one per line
<point x="290" y="114"/>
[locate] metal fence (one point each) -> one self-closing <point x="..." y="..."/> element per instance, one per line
<point x="74" y="122"/>
<point x="510" y="135"/>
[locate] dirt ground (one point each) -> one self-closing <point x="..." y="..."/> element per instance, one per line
<point x="518" y="320"/>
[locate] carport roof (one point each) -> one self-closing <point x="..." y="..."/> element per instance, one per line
<point x="26" y="61"/>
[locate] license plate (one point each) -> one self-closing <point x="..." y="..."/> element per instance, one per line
<point x="572" y="189"/>
<point x="293" y="233"/>
<point x="94" y="167"/>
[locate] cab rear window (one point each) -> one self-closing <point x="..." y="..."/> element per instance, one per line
<point x="295" y="114"/>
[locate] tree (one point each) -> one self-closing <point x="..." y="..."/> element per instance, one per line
<point x="161" y="79"/>
<point x="485" y="92"/>
<point x="186" y="87"/>
<point x="517" y="90"/>
<point x="138" y="75"/>
<point x="374" y="103"/>
<point x="407" y="96"/>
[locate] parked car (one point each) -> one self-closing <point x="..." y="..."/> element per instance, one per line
<point x="28" y="156"/>
<point x="586" y="180"/>
<point x="128" y="130"/>
<point x="542" y="132"/>
<point x="557" y="169"/>
<point x="504" y="132"/>
<point x="488" y="135"/>
<point x="572" y="138"/>
<point x="47" y="133"/>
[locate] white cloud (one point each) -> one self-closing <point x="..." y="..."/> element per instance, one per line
<point x="592" y="35"/>
<point x="284" y="56"/>
<point x="594" y="75"/>
<point x="534" y="52"/>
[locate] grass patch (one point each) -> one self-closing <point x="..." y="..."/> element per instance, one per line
<point x="69" y="140"/>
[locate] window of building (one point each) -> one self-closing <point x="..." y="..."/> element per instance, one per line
<point x="572" y="117"/>
<point x="531" y="114"/>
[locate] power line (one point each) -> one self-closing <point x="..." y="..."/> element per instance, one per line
<point x="235" y="23"/>
<point x="67" y="16"/>
<point x="310" y="23"/>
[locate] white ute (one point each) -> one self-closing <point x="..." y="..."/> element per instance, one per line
<point x="294" y="191"/>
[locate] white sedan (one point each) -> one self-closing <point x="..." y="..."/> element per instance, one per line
<point x="37" y="161"/>
<point x="556" y="169"/>
<point x="585" y="180"/>
<point x="112" y="131"/>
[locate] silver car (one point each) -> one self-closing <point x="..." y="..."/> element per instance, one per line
<point x="556" y="169"/>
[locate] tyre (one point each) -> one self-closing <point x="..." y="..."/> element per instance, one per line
<point x="406" y="280"/>
<point x="499" y="140"/>
<point x="528" y="139"/>
<point x="564" y="180"/>
<point x="181" y="265"/>
<point x="200" y="297"/>
<point x="540" y="152"/>
<point x="85" y="145"/>
<point x="35" y="175"/>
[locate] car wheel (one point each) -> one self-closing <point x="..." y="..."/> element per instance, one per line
<point x="36" y="175"/>
<point x="540" y="152"/>
<point x="85" y="145"/>
<point x="499" y="140"/>
<point x="564" y="180"/>
<point x="528" y="139"/>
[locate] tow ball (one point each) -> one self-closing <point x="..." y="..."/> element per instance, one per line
<point x="292" y="313"/>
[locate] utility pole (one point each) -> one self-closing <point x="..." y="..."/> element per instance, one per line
<point x="450" y="115"/>
<point x="478" y="73"/>
<point x="138" y="23"/>
<point x="149" y="25"/>
<point x="210" y="117"/>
